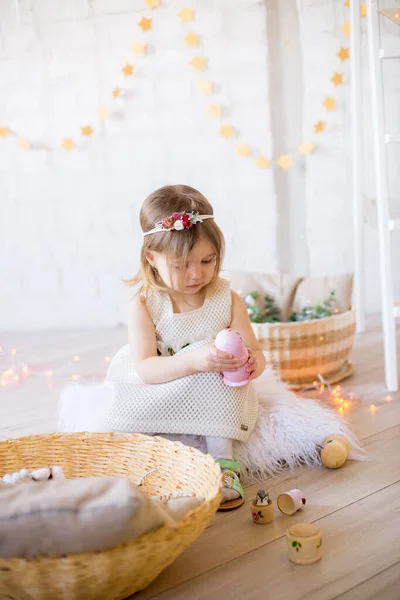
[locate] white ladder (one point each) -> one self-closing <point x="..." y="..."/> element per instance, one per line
<point x="385" y="224"/>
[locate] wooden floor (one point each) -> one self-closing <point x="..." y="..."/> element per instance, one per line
<point x="357" y="507"/>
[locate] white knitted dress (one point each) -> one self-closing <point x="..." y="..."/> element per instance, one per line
<point x="289" y="431"/>
<point x="200" y="404"/>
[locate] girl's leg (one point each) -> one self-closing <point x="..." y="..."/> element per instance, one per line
<point x="221" y="448"/>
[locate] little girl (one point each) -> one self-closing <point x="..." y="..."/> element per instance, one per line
<point x="167" y="379"/>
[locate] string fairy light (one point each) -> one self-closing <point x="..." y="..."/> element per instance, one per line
<point x="17" y="372"/>
<point x="339" y="398"/>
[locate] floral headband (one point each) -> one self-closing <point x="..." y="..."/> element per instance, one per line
<point x="178" y="221"/>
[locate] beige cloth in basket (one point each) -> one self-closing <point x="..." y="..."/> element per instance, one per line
<point x="291" y="293"/>
<point x="282" y="288"/>
<point x="317" y="289"/>
<point x="67" y="516"/>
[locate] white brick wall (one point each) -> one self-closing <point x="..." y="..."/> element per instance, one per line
<point x="68" y="228"/>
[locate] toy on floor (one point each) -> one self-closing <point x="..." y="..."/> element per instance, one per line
<point x="24" y="476"/>
<point x="304" y="543"/>
<point x="291" y="501"/>
<point x="335" y="451"/>
<point x="230" y="341"/>
<point x="262" y="498"/>
<point x="262" y="508"/>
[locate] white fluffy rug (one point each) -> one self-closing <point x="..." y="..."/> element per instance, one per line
<point x="289" y="430"/>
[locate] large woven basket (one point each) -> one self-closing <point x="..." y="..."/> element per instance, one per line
<point x="119" y="572"/>
<point x="301" y="351"/>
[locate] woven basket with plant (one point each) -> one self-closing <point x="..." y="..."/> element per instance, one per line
<point x="317" y="341"/>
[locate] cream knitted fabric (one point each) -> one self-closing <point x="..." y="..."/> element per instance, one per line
<point x="176" y="330"/>
<point x="200" y="404"/>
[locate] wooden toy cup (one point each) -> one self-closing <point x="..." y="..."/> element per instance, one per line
<point x="304" y="543"/>
<point x="262" y="513"/>
<point x="335" y="451"/>
<point x="291" y="501"/>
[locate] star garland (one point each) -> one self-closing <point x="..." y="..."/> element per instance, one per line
<point x="206" y="87"/>
<point x="227" y="131"/>
<point x="104" y="112"/>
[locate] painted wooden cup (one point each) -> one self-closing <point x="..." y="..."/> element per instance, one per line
<point x="291" y="501"/>
<point x="230" y="341"/>
<point x="262" y="514"/>
<point x="304" y="543"/>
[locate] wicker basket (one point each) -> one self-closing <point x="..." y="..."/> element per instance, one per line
<point x="121" y="571"/>
<point x="302" y="351"/>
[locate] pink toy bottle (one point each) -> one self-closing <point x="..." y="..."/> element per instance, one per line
<point x="230" y="341"/>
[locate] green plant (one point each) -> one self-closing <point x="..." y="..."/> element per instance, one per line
<point x="262" y="309"/>
<point x="318" y="311"/>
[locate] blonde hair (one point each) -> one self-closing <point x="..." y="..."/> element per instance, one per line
<point x="175" y="244"/>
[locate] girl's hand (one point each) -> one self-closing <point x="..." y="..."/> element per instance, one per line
<point x="210" y="359"/>
<point x="252" y="364"/>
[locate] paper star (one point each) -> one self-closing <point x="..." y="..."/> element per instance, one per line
<point x="346" y="28"/>
<point x="185" y="15"/>
<point x="128" y="70"/>
<point x="262" y="162"/>
<point x="226" y="131"/>
<point x="337" y="78"/>
<point x="206" y="87"/>
<point x="363" y="8"/>
<point x="214" y="110"/>
<point x="319" y="126"/>
<point x="153" y="3"/>
<point x="285" y="161"/>
<point x="306" y="147"/>
<point x="343" y="54"/>
<point x="145" y="24"/>
<point x="198" y="63"/>
<point x="138" y="48"/>
<point x="103" y="113"/>
<point x="116" y="92"/>
<point x="4" y="132"/>
<point x="329" y="103"/>
<point x="68" y="143"/>
<point x="243" y="150"/>
<point x="23" y="144"/>
<point x="87" y="130"/>
<point x="192" y="39"/>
